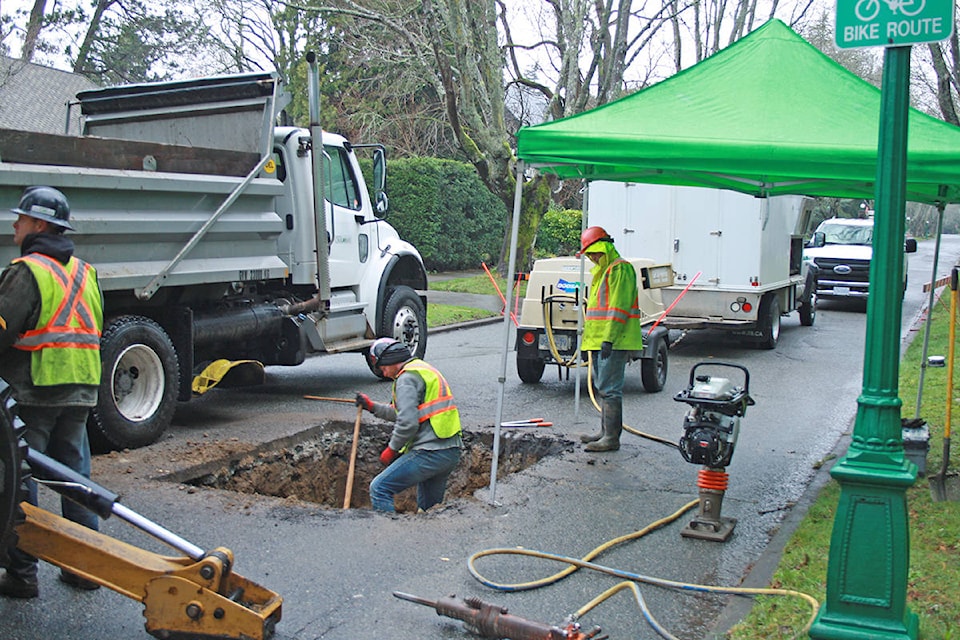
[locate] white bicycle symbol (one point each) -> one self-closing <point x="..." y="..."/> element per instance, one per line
<point x="867" y="10"/>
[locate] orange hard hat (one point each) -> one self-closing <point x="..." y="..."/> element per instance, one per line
<point x="591" y="235"/>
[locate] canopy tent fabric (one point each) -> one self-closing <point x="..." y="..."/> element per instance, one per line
<point x="768" y="115"/>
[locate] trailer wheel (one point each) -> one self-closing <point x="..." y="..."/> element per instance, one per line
<point x="530" y="370"/>
<point x="653" y="371"/>
<point x="11" y="432"/>
<point x="769" y="321"/>
<point x="405" y="319"/>
<point x="139" y="386"/>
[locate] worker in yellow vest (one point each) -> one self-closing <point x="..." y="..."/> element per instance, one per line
<point x="425" y="445"/>
<point x="611" y="330"/>
<point x="51" y="317"/>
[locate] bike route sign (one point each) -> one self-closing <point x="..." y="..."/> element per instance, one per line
<point x="892" y="23"/>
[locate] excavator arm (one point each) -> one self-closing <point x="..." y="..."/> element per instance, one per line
<point x="194" y="596"/>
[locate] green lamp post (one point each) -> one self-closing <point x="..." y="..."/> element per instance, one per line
<point x="870" y="547"/>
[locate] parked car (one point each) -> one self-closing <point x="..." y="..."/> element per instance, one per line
<point x="841" y="249"/>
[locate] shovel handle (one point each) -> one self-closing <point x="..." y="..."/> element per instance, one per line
<point x="325" y="399"/>
<point x="353" y="459"/>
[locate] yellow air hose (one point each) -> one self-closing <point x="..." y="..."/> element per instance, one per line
<point x="630" y="579"/>
<point x="574" y="361"/>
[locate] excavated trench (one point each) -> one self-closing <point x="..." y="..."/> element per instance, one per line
<point x="313" y="465"/>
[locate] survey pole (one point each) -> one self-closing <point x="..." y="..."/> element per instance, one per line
<point x="870" y="547"/>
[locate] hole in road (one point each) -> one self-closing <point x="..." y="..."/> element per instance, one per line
<point x="313" y="465"/>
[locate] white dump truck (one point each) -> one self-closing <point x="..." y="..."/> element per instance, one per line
<point x="219" y="238"/>
<point x="746" y="253"/>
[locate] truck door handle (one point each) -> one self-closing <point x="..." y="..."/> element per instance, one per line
<point x="676" y="245"/>
<point x="717" y="233"/>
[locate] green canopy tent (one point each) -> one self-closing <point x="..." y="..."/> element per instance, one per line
<point x="768" y="115"/>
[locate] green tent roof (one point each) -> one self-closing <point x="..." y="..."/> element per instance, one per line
<point x="768" y="115"/>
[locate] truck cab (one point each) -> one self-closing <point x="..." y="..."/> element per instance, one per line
<point x="841" y="250"/>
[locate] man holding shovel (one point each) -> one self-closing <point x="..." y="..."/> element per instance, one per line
<point x="425" y="445"/>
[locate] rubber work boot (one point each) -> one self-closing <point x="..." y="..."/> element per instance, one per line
<point x="14" y="587"/>
<point x="586" y="437"/>
<point x="76" y="581"/>
<point x="612" y="427"/>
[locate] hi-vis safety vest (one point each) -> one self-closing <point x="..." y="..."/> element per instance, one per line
<point x="613" y="314"/>
<point x="65" y="344"/>
<point x="437" y="406"/>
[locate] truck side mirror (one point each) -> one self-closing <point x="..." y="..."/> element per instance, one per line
<point x="910" y="245"/>
<point x="819" y="239"/>
<point x="380" y="181"/>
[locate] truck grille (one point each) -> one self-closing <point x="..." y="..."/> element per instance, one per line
<point x="857" y="271"/>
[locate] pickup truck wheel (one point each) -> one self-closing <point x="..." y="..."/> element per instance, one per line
<point x="11" y="432"/>
<point x="405" y="319"/>
<point x="653" y="371"/>
<point x="530" y="370"/>
<point x="808" y="306"/>
<point x="138" y="389"/>
<point x="769" y="321"/>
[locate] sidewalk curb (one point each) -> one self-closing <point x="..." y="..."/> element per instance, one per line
<point x="469" y="324"/>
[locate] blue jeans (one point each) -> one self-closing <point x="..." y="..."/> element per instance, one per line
<point x="426" y="468"/>
<point x="608" y="374"/>
<point x="61" y="433"/>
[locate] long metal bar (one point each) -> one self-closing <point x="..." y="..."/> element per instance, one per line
<point x="930" y="301"/>
<point x="160" y="533"/>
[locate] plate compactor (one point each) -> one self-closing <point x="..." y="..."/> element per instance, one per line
<point x="710" y="430"/>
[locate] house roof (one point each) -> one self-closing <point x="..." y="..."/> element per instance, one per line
<point x="34" y="97"/>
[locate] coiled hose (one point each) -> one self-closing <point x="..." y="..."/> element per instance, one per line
<point x="630" y="579"/>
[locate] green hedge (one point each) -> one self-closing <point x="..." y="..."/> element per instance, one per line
<point x="443" y="209"/>
<point x="559" y="233"/>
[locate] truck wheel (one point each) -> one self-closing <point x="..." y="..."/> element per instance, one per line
<point x="530" y="370"/>
<point x="653" y="371"/>
<point x="769" y="321"/>
<point x="11" y="431"/>
<point x="808" y="306"/>
<point x="138" y="390"/>
<point x="405" y="319"/>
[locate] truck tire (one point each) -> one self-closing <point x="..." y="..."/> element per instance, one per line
<point x="11" y="432"/>
<point x="405" y="319"/>
<point x="808" y="306"/>
<point x="138" y="390"/>
<point x="768" y="323"/>
<point x="653" y="371"/>
<point x="530" y="370"/>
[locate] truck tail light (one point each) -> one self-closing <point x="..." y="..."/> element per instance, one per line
<point x="528" y="338"/>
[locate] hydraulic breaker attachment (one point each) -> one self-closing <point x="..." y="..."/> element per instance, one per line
<point x="197" y="596"/>
<point x="492" y="621"/>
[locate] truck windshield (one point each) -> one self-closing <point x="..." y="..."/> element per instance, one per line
<point x="847" y="234"/>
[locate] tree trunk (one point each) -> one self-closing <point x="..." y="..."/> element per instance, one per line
<point x="34" y="25"/>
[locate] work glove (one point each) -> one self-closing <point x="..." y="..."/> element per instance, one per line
<point x="388" y="455"/>
<point x="363" y="400"/>
<point x="605" y="350"/>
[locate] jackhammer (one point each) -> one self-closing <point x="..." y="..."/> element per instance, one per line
<point x="492" y="621"/>
<point x="710" y="430"/>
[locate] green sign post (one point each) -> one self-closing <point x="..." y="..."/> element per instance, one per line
<point x="870" y="548"/>
<point x="887" y="23"/>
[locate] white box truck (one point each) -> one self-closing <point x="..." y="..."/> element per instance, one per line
<point x="215" y="240"/>
<point x="739" y="258"/>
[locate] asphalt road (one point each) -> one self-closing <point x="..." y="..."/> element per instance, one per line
<point x="336" y="570"/>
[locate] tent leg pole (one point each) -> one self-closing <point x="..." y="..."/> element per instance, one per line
<point x="511" y="275"/>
